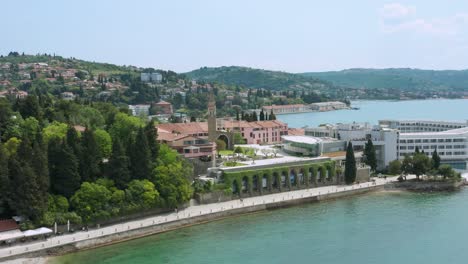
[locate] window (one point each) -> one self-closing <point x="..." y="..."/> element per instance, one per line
<point x="440" y="140"/>
<point x="458" y="140"/>
<point x="448" y="140"/>
<point x="448" y="153"/>
<point x="425" y="140"/>
<point x="433" y="140"/>
<point x="417" y="141"/>
<point x="410" y="147"/>
<point x="441" y="147"/>
<point x="402" y="147"/>
<point x="448" y="147"/>
<point x="410" y="141"/>
<point x="402" y="140"/>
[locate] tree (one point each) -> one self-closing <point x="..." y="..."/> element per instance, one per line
<point x="416" y="150"/>
<point x="394" y="167"/>
<point x="4" y="179"/>
<point x="27" y="197"/>
<point x="272" y="115"/>
<point x="125" y="127"/>
<point x="435" y="159"/>
<point x="90" y="160"/>
<point x="151" y="135"/>
<point x="350" y="165"/>
<point x="140" y="157"/>
<point x="407" y="165"/>
<point x="237" y="115"/>
<point x="91" y="201"/>
<point x="262" y="115"/>
<point x="220" y="145"/>
<point x="119" y="165"/>
<point x="370" y="157"/>
<point x="55" y="130"/>
<point x="446" y="171"/>
<point x="254" y="116"/>
<point x="63" y="169"/>
<point x="73" y="141"/>
<point x="142" y="194"/>
<point x="238" y="139"/>
<point x="104" y="142"/>
<point x="421" y="164"/>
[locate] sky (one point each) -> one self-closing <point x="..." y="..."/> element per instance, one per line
<point x="292" y="36"/>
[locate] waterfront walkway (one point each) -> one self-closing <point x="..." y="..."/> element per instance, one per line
<point x="189" y="212"/>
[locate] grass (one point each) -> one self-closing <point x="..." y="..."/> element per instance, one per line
<point x="226" y="152"/>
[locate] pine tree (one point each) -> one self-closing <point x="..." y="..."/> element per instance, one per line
<point x="435" y="159"/>
<point x="151" y="136"/>
<point x="140" y="157"/>
<point x="119" y="165"/>
<point x="262" y="115"/>
<point x="90" y="165"/>
<point x="237" y="115"/>
<point x="370" y="157"/>
<point x="63" y="169"/>
<point x="350" y="165"/>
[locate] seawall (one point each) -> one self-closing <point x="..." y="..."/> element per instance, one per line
<point x="190" y="216"/>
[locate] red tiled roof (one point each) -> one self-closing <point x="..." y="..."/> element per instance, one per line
<point x="163" y="103"/>
<point x="7" y="225"/>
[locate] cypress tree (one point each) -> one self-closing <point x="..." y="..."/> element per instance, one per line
<point x="350" y="165"/>
<point x="41" y="168"/>
<point x="370" y="157"/>
<point x="266" y="116"/>
<point x="73" y="141"/>
<point x="435" y="159"/>
<point x="237" y="115"/>
<point x="151" y="136"/>
<point x="26" y="197"/>
<point x="90" y="165"/>
<point x="63" y="169"/>
<point x="4" y="179"/>
<point x="272" y="115"/>
<point x="416" y="151"/>
<point x="119" y="165"/>
<point x="262" y="115"/>
<point x="254" y="116"/>
<point x="140" y="157"/>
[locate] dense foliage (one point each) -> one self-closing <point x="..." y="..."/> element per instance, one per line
<point x="83" y="162"/>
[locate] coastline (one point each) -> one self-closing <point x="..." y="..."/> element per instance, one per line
<point x="193" y="215"/>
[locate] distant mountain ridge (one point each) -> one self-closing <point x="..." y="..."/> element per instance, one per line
<point x="396" y="78"/>
<point x="257" y="78"/>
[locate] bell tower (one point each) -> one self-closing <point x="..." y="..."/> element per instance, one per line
<point x="212" y="118"/>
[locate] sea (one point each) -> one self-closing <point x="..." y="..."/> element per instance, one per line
<point x="382" y="227"/>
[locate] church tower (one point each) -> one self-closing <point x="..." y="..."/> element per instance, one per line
<point x="212" y="118"/>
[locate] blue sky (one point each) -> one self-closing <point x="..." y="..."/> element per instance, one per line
<point x="293" y="36"/>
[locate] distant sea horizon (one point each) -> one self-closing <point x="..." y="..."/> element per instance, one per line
<point x="371" y="111"/>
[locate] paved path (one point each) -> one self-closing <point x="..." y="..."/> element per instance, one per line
<point x="189" y="212"/>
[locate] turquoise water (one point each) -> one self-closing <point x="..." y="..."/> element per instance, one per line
<point x="372" y="111"/>
<point x="374" y="228"/>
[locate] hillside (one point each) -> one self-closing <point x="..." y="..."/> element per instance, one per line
<point x="257" y="78"/>
<point x="398" y="78"/>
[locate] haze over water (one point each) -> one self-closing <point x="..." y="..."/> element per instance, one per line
<point x="372" y="111"/>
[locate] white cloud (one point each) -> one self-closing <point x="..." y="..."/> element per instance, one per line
<point x="396" y="10"/>
<point x="396" y="17"/>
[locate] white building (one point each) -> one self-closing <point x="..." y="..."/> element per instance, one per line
<point x="451" y="145"/>
<point x="411" y="126"/>
<point x="138" y="110"/>
<point x="151" y="77"/>
<point x="328" y="106"/>
<point x="384" y="139"/>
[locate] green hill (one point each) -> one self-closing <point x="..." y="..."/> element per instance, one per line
<point x="398" y="78"/>
<point x="257" y="78"/>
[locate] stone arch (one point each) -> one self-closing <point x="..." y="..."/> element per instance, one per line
<point x="293" y="177"/>
<point x="235" y="185"/>
<point x="301" y="177"/>
<point x="245" y="184"/>
<point x="275" y="183"/>
<point x="224" y="138"/>
<point x="312" y="176"/>
<point x="284" y="177"/>
<point x="265" y="182"/>
<point x="256" y="183"/>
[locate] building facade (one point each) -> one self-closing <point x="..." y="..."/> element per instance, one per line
<point x="412" y="126"/>
<point x="151" y="77"/>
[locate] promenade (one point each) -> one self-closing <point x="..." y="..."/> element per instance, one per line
<point x="187" y="213"/>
